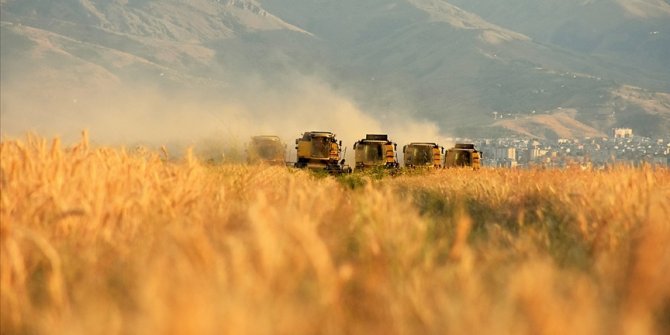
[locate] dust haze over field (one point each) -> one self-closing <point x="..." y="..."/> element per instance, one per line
<point x="54" y="84"/>
<point x="212" y="121"/>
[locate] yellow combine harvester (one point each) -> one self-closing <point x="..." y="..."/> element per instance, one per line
<point x="375" y="150"/>
<point x="266" y="149"/>
<point x="422" y="154"/>
<point x="463" y="155"/>
<point x="320" y="150"/>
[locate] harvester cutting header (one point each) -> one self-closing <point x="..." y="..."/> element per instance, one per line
<point x="320" y="150"/>
<point x="463" y="155"/>
<point x="422" y="154"/>
<point x="375" y="150"/>
<point x="266" y="149"/>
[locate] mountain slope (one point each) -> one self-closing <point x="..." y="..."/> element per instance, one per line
<point x="633" y="35"/>
<point x="62" y="59"/>
<point x="173" y="34"/>
<point x="449" y="65"/>
<point x="560" y="124"/>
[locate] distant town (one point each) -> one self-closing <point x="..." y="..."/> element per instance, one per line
<point x="621" y="148"/>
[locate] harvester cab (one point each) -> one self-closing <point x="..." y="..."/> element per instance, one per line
<point x="422" y="154"/>
<point x="463" y="155"/>
<point x="375" y="150"/>
<point x="320" y="150"/>
<point x="266" y="149"/>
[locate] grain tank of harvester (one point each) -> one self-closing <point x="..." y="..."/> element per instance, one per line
<point x="375" y="150"/>
<point x="320" y="150"/>
<point x="266" y="149"/>
<point x="463" y="155"/>
<point x="422" y="154"/>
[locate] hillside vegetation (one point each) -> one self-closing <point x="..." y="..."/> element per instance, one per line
<point x="116" y="241"/>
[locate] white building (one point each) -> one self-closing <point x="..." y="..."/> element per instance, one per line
<point x="622" y="132"/>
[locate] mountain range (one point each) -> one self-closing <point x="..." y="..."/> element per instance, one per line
<point x="537" y="68"/>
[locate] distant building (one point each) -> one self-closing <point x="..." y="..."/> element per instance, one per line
<point x="535" y="153"/>
<point x="622" y="132"/>
<point x="506" y="153"/>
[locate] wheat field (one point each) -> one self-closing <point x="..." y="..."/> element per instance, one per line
<point x="98" y="240"/>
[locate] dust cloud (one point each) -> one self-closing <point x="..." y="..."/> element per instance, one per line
<point x="216" y="122"/>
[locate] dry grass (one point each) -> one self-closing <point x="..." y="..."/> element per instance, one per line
<point x="104" y="241"/>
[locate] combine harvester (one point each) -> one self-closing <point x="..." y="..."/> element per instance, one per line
<point x="320" y="151"/>
<point x="266" y="149"/>
<point x="375" y="151"/>
<point x="463" y="155"/>
<point x="422" y="154"/>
